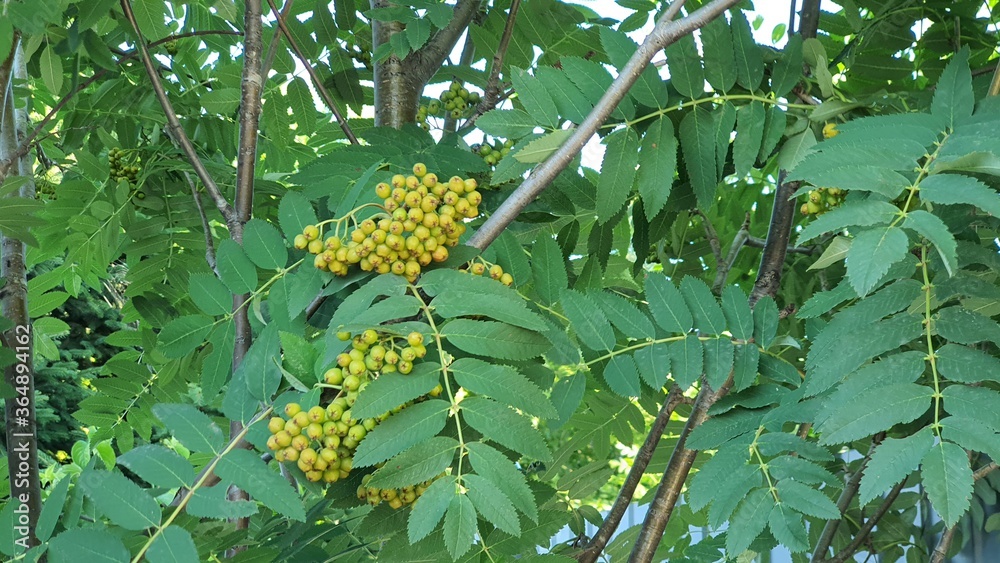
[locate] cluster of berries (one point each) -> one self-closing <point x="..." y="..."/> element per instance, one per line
<point x="321" y="441"/>
<point x="372" y="353"/>
<point x="822" y="200"/>
<point x="395" y="498"/>
<point x="423" y="217"/>
<point x="120" y="168"/>
<point x="492" y="154"/>
<point x="456" y="102"/>
<point x="480" y="267"/>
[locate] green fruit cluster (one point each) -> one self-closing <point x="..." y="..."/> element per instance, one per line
<point x="456" y="102"/>
<point x="395" y="498"/>
<point x="171" y="47"/>
<point x="821" y="200"/>
<point x="321" y="441"/>
<point x="120" y="166"/>
<point x="372" y="353"/>
<point x="492" y="154"/>
<point x="422" y="218"/>
<point x="481" y="267"/>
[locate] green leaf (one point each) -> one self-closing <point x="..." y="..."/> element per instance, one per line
<point x="50" y="66"/>
<point x="745" y="363"/>
<point x="667" y="304"/>
<point x="548" y="270"/>
<point x="749" y="521"/>
<point x="976" y="403"/>
<point x="708" y="316"/>
<point x="390" y="390"/>
<point x="725" y="467"/>
<point x="503" y="426"/>
<point x="264" y="245"/>
<point x="966" y="327"/>
<point x="774" y="130"/>
<point x="190" y="426"/>
<point x="657" y="166"/>
<point x="795" y="149"/>
<point x="788" y="70"/>
<point x="245" y="469"/>
<point x="953" y="96"/>
<point x="541" y="148"/>
<point x="807" y="500"/>
<point x="496" y="340"/>
<point x="793" y="467"/>
<point x="571" y="102"/>
<point x="411" y="426"/>
<point x="591" y="326"/>
<point x="787" y="527"/>
<point x="933" y="229"/>
<point x="622" y="376"/>
<point x="778" y="369"/>
<point x="150" y="15"/>
<point x="875" y="410"/>
<point x="718" y="361"/>
<point x="260" y="370"/>
<point x="624" y="315"/>
<point x="182" y="335"/>
<point x="423" y="461"/>
<point x="494" y="466"/>
<point x="649" y="89"/>
<point x="294" y="213"/>
<point x="502" y="383"/>
<point x="720" y="61"/>
<point x="173" y="545"/>
<point x="654" y="363"/>
<point x="749" y="135"/>
<point x="428" y="512"/>
<point x="749" y="61"/>
<point x="765" y="322"/>
<point x="121" y="500"/>
<point x="235" y="268"/>
<point x="536" y="100"/>
<point x="459" y="526"/>
<point x="892" y="461"/>
<point x="492" y="504"/>
<point x="158" y="466"/>
<point x="835" y="252"/>
<point x="52" y="510"/>
<point x="686" y="360"/>
<point x="971" y="434"/>
<point x="967" y="365"/>
<point x="952" y="189"/>
<point x="95" y="545"/>
<point x="871" y="254"/>
<point x="617" y="173"/>
<point x="739" y="317"/>
<point x="217" y="366"/>
<point x="507" y="123"/>
<point x="684" y="63"/>
<point x="298" y="359"/>
<point x="697" y="135"/>
<point x="209" y="294"/>
<point x="211" y="502"/>
<point x="947" y="477"/>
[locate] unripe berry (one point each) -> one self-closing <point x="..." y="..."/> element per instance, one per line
<point x="315" y="246"/>
<point x="478" y="268"/>
<point x="290" y="454"/>
<point x="414" y="339"/>
<point x="352" y="382"/>
<point x="507" y="279"/>
<point x="383" y="190"/>
<point x="283" y="439"/>
<point x="301" y="419"/>
<point x="292" y="428"/>
<point x="276" y="424"/>
<point x="311" y="232"/>
<point x="300" y="442"/>
<point x="317" y="414"/>
<point x="292" y="409"/>
<point x="470" y="185"/>
<point x="301" y="242"/>
<point x="496" y="271"/>
<point x="314" y="431"/>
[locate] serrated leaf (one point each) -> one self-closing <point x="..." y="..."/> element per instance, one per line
<point x="264" y="245"/>
<point x="52" y="509"/>
<point x="667" y="304"/>
<point x="933" y="229"/>
<point x="720" y="61"/>
<point x="591" y="326"/>
<point x="788" y="70"/>
<point x="182" y="335"/>
<point x="245" y="469"/>
<point x="793" y="467"/>
<point x="953" y="97"/>
<point x="548" y="270"/>
<point x="967" y="365"/>
<point x="965" y="327"/>
<point x="617" y="173"/>
<point x="745" y="363"/>
<point x="787" y="527"/>
<point x="684" y="63"/>
<point x="871" y="254"/>
<point x="722" y="428"/>
<point x="294" y="213"/>
<point x="892" y="461"/>
<point x="648" y="89"/>
<point x="624" y="315"/>
<point x="494" y="466"/>
<point x="947" y="477"/>
<point x="173" y="545"/>
<point x="835" y="252"/>
<point x="502" y="383"/>
<point x="87" y="544"/>
<point x="541" y="148"/>
<point x="158" y="466"/>
<point x="496" y="340"/>
<point x="492" y="504"/>
<point x="807" y="500"/>
<point x="423" y="461"/>
<point x="708" y="316"/>
<point x="718" y="361"/>
<point x="875" y="410"/>
<point x="653" y="362"/>
<point x="428" y="512"/>
<point x="749" y="521"/>
<point x="622" y="376"/>
<point x="725" y="467"/>
<point x="401" y="431"/>
<point x="686" y="360"/>
<point x="211" y="502"/>
<point x="535" y="99"/>
<point x="260" y="369"/>
<point x="976" y="403"/>
<point x="190" y="426"/>
<point x="739" y="316"/>
<point x="235" y="268"/>
<point x="50" y="66"/>
<point x="459" y="526"/>
<point x="151" y="17"/>
<point x="697" y="136"/>
<point x="121" y="500"/>
<point x="749" y="61"/>
<point x="765" y="322"/>
<point x="507" y="123"/>
<point x="749" y="135"/>
<point x="209" y="294"/>
<point x="505" y="427"/>
<point x="952" y="189"/>
<point x="657" y="166"/>
<point x="973" y="435"/>
<point x="390" y="390"/>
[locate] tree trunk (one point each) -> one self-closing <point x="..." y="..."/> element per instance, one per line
<point x="396" y="94"/>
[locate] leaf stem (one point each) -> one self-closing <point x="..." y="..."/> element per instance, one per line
<point x="931" y="357"/>
<point x="711" y="100"/>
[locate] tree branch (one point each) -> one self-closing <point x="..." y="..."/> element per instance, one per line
<point x="755" y="242"/>
<point x="600" y="540"/>
<point x="174" y="127"/>
<point x="665" y="33"/>
<point x="723" y="267"/>
<point x="491" y="95"/>
<point x="430" y="57"/>
<point x="779" y="232"/>
<point x="809" y="18"/>
<point x="320" y="88"/>
<point x="209" y="242"/>
<point x="862" y="535"/>
<point x="944" y="544"/>
<point x="712" y="236"/>
<point x="985" y="470"/>
<point x="272" y="48"/>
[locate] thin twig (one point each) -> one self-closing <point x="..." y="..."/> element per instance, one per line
<point x="272" y="48"/>
<point x="174" y="127"/>
<point x="317" y="83"/>
<point x="209" y="241"/>
<point x="985" y="470"/>
<point x="712" y="235"/>
<point x="723" y="268"/>
<point x="492" y="92"/>
<point x="759" y="243"/>
<point x="944" y="544"/>
<point x="665" y="33"/>
<point x="600" y="540"/>
<point x="862" y="535"/>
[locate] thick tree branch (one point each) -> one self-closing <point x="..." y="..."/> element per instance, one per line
<point x="809" y="18"/>
<point x="779" y="232"/>
<point x="174" y="127"/>
<point x="862" y="535"/>
<point x="491" y="95"/>
<point x="600" y="540"/>
<point x="429" y="58"/>
<point x="317" y="83"/>
<point x="664" y="34"/>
